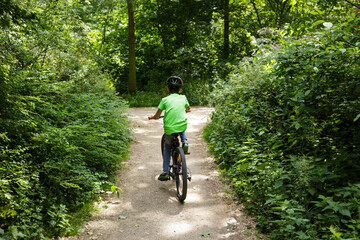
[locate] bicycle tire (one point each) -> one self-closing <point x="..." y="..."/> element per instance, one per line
<point x="181" y="174"/>
<point x="162" y="145"/>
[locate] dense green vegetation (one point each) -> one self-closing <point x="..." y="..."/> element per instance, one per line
<point x="283" y="76"/>
<point x="286" y="132"/>
<point x="63" y="133"/>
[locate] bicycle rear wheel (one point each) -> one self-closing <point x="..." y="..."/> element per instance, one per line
<point x="162" y="145"/>
<point x="181" y="173"/>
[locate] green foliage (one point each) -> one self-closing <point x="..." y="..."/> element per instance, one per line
<point x="285" y="133"/>
<point x="71" y="155"/>
<point x="63" y="132"/>
<point x="172" y="38"/>
<point x="197" y="93"/>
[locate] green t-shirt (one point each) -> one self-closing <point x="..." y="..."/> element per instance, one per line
<point x="175" y="120"/>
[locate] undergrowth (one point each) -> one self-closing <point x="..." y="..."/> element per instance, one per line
<point x="60" y="149"/>
<point x="196" y="91"/>
<point x="286" y="133"/>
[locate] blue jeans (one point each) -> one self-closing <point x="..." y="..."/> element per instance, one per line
<point x="183" y="137"/>
<point x="167" y="149"/>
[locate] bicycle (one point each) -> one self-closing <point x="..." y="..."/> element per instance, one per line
<point x="178" y="169"/>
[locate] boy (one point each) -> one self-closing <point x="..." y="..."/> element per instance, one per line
<point x="176" y="106"/>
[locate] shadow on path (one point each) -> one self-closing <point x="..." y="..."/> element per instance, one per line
<point x="149" y="209"/>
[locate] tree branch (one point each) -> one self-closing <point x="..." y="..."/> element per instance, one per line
<point x="257" y="12"/>
<point x="353" y="4"/>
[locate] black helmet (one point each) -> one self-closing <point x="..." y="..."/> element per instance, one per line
<point x="174" y="81"/>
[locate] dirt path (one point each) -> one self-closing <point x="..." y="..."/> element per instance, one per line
<point x="148" y="208"/>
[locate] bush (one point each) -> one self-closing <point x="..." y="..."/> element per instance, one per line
<point x="197" y="93"/>
<point x="63" y="132"/>
<point x="286" y="133"/>
<point x="59" y="156"/>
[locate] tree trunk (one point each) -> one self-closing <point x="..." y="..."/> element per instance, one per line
<point x="226" y="29"/>
<point x="131" y="39"/>
<point x="257" y="12"/>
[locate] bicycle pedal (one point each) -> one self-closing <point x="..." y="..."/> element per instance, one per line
<point x="163" y="180"/>
<point x="187" y="153"/>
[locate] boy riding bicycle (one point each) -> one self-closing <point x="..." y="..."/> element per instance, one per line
<point x="176" y="106"/>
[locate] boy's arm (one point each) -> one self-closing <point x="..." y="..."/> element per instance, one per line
<point x="157" y="114"/>
<point x="187" y="106"/>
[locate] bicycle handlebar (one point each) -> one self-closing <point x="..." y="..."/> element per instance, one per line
<point x="152" y="117"/>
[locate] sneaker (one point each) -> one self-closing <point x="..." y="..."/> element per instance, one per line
<point x="185" y="147"/>
<point x="164" y="177"/>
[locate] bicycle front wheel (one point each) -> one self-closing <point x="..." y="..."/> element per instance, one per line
<point x="181" y="174"/>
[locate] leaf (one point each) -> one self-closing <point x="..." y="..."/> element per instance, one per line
<point x="122" y="217"/>
<point x="345" y="212"/>
<point x="116" y="189"/>
<point x="277" y="145"/>
<point x="312" y="191"/>
<point x="15" y="233"/>
<point x="261" y="166"/>
<point x="206" y="235"/>
<point x="293" y="2"/>
<point x="302" y="235"/>
<point x="357" y="117"/>
<point x="334" y="232"/>
<point x="278" y="184"/>
<point x="318" y="22"/>
<point x="316" y="12"/>
<point x="342" y="50"/>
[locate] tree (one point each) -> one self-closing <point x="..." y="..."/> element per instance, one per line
<point x="280" y="9"/>
<point x="226" y="29"/>
<point x="131" y="39"/>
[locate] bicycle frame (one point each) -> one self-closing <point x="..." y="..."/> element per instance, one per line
<point x="175" y="143"/>
<point x="178" y="170"/>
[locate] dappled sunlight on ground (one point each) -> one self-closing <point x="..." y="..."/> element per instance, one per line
<point x="149" y="209"/>
<point x="193" y="198"/>
<point x="175" y="228"/>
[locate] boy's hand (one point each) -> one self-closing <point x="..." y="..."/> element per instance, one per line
<point x="156" y="116"/>
<point x="187" y="109"/>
